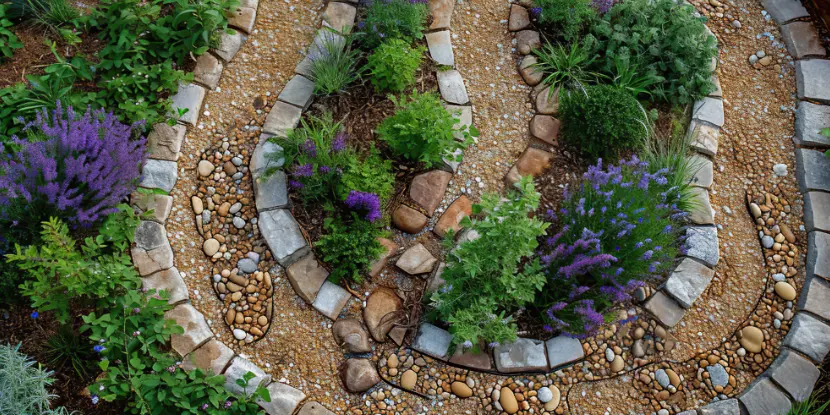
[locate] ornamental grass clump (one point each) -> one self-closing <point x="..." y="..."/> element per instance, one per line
<point x="619" y="229"/>
<point x="392" y="19"/>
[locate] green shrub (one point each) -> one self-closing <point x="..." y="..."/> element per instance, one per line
<point x="392" y="19"/>
<point x="422" y="129"/>
<point x="662" y="38"/>
<point x="349" y="247"/>
<point x="8" y="40"/>
<point x="23" y="385"/>
<point x="393" y="64"/>
<point x="602" y="121"/>
<point x="334" y="65"/>
<point x="565" y="66"/>
<point x="491" y="267"/>
<point x="569" y="17"/>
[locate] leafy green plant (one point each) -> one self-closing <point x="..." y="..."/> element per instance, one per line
<point x="490" y="265"/>
<point x="422" y="129"/>
<point x="663" y="38"/>
<point x="569" y="17"/>
<point x="392" y="19"/>
<point x="813" y="405"/>
<point x="349" y="247"/>
<point x="602" y="121"/>
<point x="393" y="64"/>
<point x="23" y="386"/>
<point x="627" y="76"/>
<point x="67" y="349"/>
<point x="565" y="66"/>
<point x="334" y="65"/>
<point x="51" y="15"/>
<point x="8" y="40"/>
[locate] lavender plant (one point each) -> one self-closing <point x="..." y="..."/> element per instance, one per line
<point x="392" y="19"/>
<point x="619" y="229"/>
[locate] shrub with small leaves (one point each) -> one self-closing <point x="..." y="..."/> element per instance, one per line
<point x="568" y="17"/>
<point x="392" y="19"/>
<point x="23" y="384"/>
<point x="350" y="243"/>
<point x="393" y="64"/>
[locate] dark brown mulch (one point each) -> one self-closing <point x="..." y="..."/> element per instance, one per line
<point x="820" y="11"/>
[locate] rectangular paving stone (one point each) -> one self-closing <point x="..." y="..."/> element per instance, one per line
<point x="159" y="174"/>
<point x="432" y="341"/>
<point x="718" y="92"/>
<point x="762" y="397"/>
<point x="723" y="407"/>
<point x="563" y="350"/>
<point x="785" y="10"/>
<point x="229" y="45"/>
<point x="160" y="205"/>
<point x="523" y="355"/>
<point x="189" y="97"/>
<point x="464" y="115"/>
<point x="262" y="158"/>
<point x="818" y="254"/>
<point x="440" y="47"/>
<point x="702" y="244"/>
<point x="307" y="277"/>
<point x="283" y="236"/>
<point x="702" y="171"/>
<point x="812" y="81"/>
<point x="208" y="70"/>
<point x="325" y="39"/>
<point x="282" y="118"/>
<point x="211" y="357"/>
<point x="794" y="374"/>
<point x="701" y="212"/>
<point x="452" y="88"/>
<point x="152" y="261"/>
<point x="817" y="211"/>
<point x="812" y="170"/>
<point x="284" y="399"/>
<point x="339" y="16"/>
<point x="709" y="110"/>
<point x="802" y="40"/>
<point x="809" y="336"/>
<point x="809" y="120"/>
<point x="271" y="193"/>
<point x="168" y="280"/>
<point x="331" y="299"/>
<point x="243" y="18"/>
<point x="150" y="235"/>
<point x="441" y="11"/>
<point x="164" y="142"/>
<point x="304" y="67"/>
<point x="238" y="368"/>
<point x="196" y="329"/>
<point x="704" y="138"/>
<point x="299" y="92"/>
<point x="688" y="281"/>
<point x="815" y="297"/>
<point x="665" y="309"/>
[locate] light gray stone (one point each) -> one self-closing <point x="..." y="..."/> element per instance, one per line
<point x="243" y="18"/>
<point x="818" y="254"/>
<point x="304" y="67"/>
<point x="339" y="16"/>
<point x="662" y="378"/>
<point x="284" y="399"/>
<point x="785" y="10"/>
<point x="794" y="374"/>
<point x="325" y="40"/>
<point x="150" y="235"/>
<point x="271" y="193"/>
<point x="688" y="281"/>
<point x="189" y="97"/>
<point x="282" y="118"/>
<point x="815" y="297"/>
<point x="702" y="243"/>
<point x="809" y="336"/>
<point x="212" y="357"/>
<point x="247" y="265"/>
<point x="802" y="40"/>
<point x="432" y="341"/>
<point x="763" y="398"/>
<point x="530" y="73"/>
<point x="152" y="261"/>
<point x="709" y="110"/>
<point x="702" y="171"/>
<point x="718" y="92"/>
<point x="196" y="329"/>
<point x="263" y="157"/>
<point x="229" y="45"/>
<point x="812" y="170"/>
<point x="665" y="309"/>
<point x="283" y="236"/>
<point x="817" y="211"/>
<point x="164" y="142"/>
<point x="208" y="70"/>
<point x="812" y="81"/>
<point x="563" y="350"/>
<point x="299" y="92"/>
<point x="809" y="120"/>
<point x="238" y="368"/>
<point x="718" y="375"/>
<point x="416" y="260"/>
<point x="159" y="205"/>
<point x="436" y="282"/>
<point x="440" y="47"/>
<point x="452" y="88"/>
<point x="159" y="174"/>
<point x="168" y="280"/>
<point x="306" y="277"/>
<point x="331" y="299"/>
<point x="701" y="212"/>
<point x="724" y="407"/>
<point x="523" y="355"/>
<point x="704" y="138"/>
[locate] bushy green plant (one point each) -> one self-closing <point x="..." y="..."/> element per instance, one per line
<point x="565" y="65"/>
<point x="67" y="349"/>
<point x="393" y="64"/>
<point x="51" y="15"/>
<point x="568" y="17"/>
<point x="662" y="38"/>
<point x="602" y="121"/>
<point x="628" y="76"/>
<point x="349" y="246"/>
<point x="23" y="384"/>
<point x="490" y="265"/>
<point x="393" y="19"/>
<point x="422" y="129"/>
<point x="8" y="40"/>
<point x="334" y="64"/>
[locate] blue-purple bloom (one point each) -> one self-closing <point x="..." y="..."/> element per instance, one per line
<point x="35" y="315"/>
<point x="365" y="202"/>
<point x="304" y="170"/>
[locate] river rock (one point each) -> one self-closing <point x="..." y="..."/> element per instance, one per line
<point x="211" y="247"/>
<point x="461" y="389"/>
<point x="416" y="260"/>
<point x="508" y="402"/>
<point x="408" y="379"/>
<point x="351" y="335"/>
<point x="383" y="310"/>
<point x="205" y="168"/>
<point x="358" y="375"/>
<point x="751" y="339"/>
<point x="785" y="290"/>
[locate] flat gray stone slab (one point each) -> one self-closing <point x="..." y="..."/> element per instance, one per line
<point x="812" y="170"/>
<point x="304" y="67"/>
<point x="440" y="47"/>
<point x="464" y="114"/>
<point x="688" y="281"/>
<point x="815" y="297"/>
<point x="196" y="329"/>
<point x="809" y="120"/>
<point x="718" y="92"/>
<point x="159" y="174"/>
<point x="704" y="138"/>
<point x="262" y="158"/>
<point x="238" y="368"/>
<point x="160" y="205"/>
<point x="802" y="40"/>
<point x="284" y="399"/>
<point x="432" y="341"/>
<point x="701" y="212"/>
<point x="208" y="70"/>
<point x="152" y="261"/>
<point x="165" y="141"/>
<point x="702" y="244"/>
<point x="271" y="193"/>
<point x="306" y="277"/>
<point x="229" y="45"/>
<point x="452" y="88"/>
<point x="762" y="397"/>
<point x="168" y="280"/>
<point x="299" y="92"/>
<point x="809" y="336"/>
<point x="665" y="309"/>
<point x="702" y="171"/>
<point x="563" y="350"/>
<point x="785" y="10"/>
<point x="150" y="235"/>
<point x="283" y="236"/>
<point x="314" y="408"/>
<point x="817" y="211"/>
<point x="818" y="255"/>
<point x="724" y="407"/>
<point x="709" y="110"/>
<point x="331" y="299"/>
<point x="322" y="38"/>
<point x="189" y="97"/>
<point x="812" y="80"/>
<point x="794" y="374"/>
<point x="523" y="355"/>
<point x="282" y="118"/>
<point x="211" y="357"/>
<point x="339" y="16"/>
<point x="243" y="18"/>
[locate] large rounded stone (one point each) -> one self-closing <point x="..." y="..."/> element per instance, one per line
<point x="358" y="375"/>
<point x="519" y="18"/>
<point x="211" y="247"/>
<point x="198" y="207"/>
<point x="461" y="389"/>
<point x="383" y="310"/>
<point x="351" y="335"/>
<point x="508" y="401"/>
<point x="751" y="339"/>
<point x="409" y="220"/>
<point x="205" y="168"/>
<point x="546" y="102"/>
<point x="416" y="260"/>
<point x="785" y="290"/>
<point x="530" y="73"/>
<point x="451" y="219"/>
<point x="545" y="128"/>
<point x="408" y="379"/>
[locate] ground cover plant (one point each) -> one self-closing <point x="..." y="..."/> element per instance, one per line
<point x="568" y="17"/>
<point x="392" y="19"/>
<point x="24" y="384"/>
<point x="8" y="40"/>
<point x="350" y="244"/>
<point x="393" y="64"/>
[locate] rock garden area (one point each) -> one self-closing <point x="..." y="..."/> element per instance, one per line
<point x="414" y="207"/>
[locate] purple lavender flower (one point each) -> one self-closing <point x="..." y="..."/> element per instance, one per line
<point x="295" y="184"/>
<point x="364" y="201"/>
<point x="309" y="148"/>
<point x="324" y="169"/>
<point x="339" y="143"/>
<point x="304" y="170"/>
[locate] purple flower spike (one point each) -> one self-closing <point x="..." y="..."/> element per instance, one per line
<point x="364" y="201"/>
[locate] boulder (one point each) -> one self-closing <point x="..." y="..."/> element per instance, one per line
<point x="351" y="335"/>
<point x="358" y="375"/>
<point x="383" y="309"/>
